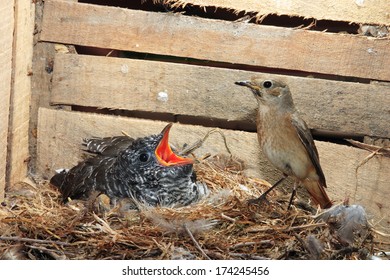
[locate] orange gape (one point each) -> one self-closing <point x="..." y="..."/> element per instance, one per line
<point x="164" y="153"/>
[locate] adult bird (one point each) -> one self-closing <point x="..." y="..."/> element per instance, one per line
<point x="286" y="140"/>
<point x="145" y="169"/>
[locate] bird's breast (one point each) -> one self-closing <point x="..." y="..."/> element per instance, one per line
<point x="281" y="144"/>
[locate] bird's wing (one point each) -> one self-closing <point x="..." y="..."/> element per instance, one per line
<point x="108" y="146"/>
<point x="87" y="176"/>
<point x="308" y="142"/>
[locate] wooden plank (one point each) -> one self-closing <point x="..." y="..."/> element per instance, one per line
<point x="60" y="133"/>
<point x="21" y="90"/>
<point x="215" y="40"/>
<point x="375" y="12"/>
<point x="42" y="64"/>
<point x="6" y="38"/>
<point x="175" y="88"/>
<point x="43" y="59"/>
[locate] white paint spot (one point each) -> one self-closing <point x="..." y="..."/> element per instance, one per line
<point x="360" y="3"/>
<point x="371" y="51"/>
<point x="162" y="96"/>
<point x="137" y="45"/>
<point x="124" y="68"/>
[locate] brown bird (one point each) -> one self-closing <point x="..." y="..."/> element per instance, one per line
<point x="286" y="140"/>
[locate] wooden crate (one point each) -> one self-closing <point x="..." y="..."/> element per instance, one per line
<point x="339" y="81"/>
<point x="16" y="40"/>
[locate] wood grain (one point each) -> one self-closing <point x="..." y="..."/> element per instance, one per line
<point x="6" y="38"/>
<point x="115" y="83"/>
<point x="41" y="82"/>
<point x="21" y="91"/>
<point x="215" y="40"/>
<point x="375" y="12"/>
<point x="60" y="133"/>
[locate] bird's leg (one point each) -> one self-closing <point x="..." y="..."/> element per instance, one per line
<point x="263" y="197"/>
<point x="293" y="193"/>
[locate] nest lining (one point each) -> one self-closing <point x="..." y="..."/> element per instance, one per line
<point x="34" y="224"/>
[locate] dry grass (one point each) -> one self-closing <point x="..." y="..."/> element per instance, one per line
<point x="35" y="225"/>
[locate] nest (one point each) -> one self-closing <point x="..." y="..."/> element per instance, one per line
<point x="34" y="224"/>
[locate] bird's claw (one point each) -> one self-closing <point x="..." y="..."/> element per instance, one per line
<point x="259" y="201"/>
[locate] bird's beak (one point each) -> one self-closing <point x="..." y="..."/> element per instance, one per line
<point x="244" y="83"/>
<point x="254" y="88"/>
<point x="164" y="153"/>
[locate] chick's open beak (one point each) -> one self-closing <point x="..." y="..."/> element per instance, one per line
<point x="164" y="153"/>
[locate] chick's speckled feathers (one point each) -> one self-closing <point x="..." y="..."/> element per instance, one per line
<point x="145" y="169"/>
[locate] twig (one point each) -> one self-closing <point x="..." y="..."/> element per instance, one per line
<point x="52" y="234"/>
<point x="125" y="134"/>
<point x="371" y="148"/>
<point x="305" y="226"/>
<point x="382" y="254"/>
<point x="109" y="53"/>
<point x="199" y="143"/>
<point x="246" y="19"/>
<point x="105" y="227"/>
<point x="196" y="243"/>
<point x="292" y="221"/>
<point x="228" y="218"/>
<point x="303" y="27"/>
<point x="364" y="161"/>
<point x="248" y="256"/>
<point x="244" y="244"/>
<point x="51" y="252"/>
<point x="30" y="240"/>
<point x="380" y="232"/>
<point x="215" y="255"/>
<point x="343" y="252"/>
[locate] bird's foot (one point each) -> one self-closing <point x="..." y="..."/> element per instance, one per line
<point x="259" y="201"/>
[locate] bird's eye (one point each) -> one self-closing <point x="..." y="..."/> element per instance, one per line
<point x="144" y="157"/>
<point x="267" y="84"/>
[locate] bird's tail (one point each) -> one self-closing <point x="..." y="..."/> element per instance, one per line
<point x="317" y="193"/>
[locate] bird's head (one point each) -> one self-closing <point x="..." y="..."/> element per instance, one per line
<point x="151" y="167"/>
<point x="268" y="92"/>
<point x="154" y="150"/>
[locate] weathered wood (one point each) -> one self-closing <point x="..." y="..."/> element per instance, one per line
<point x="375" y="12"/>
<point x="41" y="82"/>
<point x="210" y="92"/>
<point x="6" y="38"/>
<point x="21" y="90"/>
<point x="43" y="60"/>
<point x="215" y="40"/>
<point x="60" y="133"/>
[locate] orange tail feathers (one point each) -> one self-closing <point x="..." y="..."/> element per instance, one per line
<point x="317" y="193"/>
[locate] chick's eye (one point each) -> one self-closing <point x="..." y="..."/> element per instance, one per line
<point x="267" y="84"/>
<point x="144" y="157"/>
